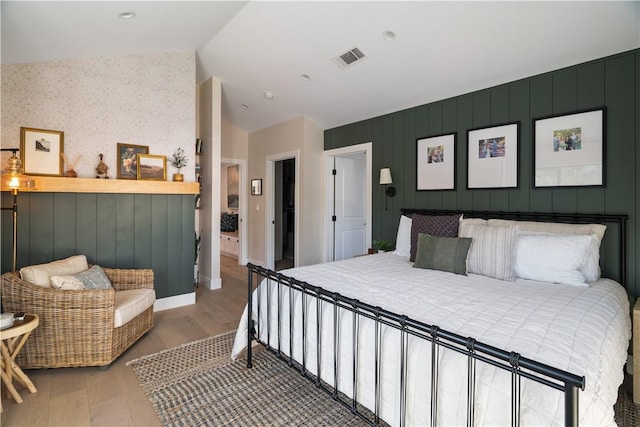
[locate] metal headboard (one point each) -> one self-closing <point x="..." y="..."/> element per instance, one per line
<point x="572" y="218"/>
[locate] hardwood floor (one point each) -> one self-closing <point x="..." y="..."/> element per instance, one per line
<point x="91" y="397"/>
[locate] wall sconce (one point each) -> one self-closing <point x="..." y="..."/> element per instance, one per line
<point x="14" y="180"/>
<point x="385" y="179"/>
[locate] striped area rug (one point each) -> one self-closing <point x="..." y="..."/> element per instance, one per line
<point x="197" y="384"/>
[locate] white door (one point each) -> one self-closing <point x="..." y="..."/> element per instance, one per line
<point x="350" y="225"/>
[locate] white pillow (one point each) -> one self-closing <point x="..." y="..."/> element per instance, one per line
<point x="554" y="258"/>
<point x="492" y="250"/>
<point x="403" y="238"/>
<point x="591" y="269"/>
<point x="66" y="283"/>
<point x="39" y="274"/>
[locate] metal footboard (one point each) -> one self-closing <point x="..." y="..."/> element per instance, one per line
<point x="438" y="339"/>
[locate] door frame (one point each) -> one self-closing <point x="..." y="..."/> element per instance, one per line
<point x="329" y="156"/>
<point x="270" y="206"/>
<point x="242" y="211"/>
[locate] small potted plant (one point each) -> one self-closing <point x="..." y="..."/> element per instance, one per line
<point x="382" y="245"/>
<point x="178" y="160"/>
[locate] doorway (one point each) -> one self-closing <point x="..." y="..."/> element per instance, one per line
<point x="283" y="207"/>
<point x="347" y="229"/>
<point x="284" y="214"/>
<point x="233" y="206"/>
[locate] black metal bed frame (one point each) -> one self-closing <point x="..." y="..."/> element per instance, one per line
<point x="519" y="367"/>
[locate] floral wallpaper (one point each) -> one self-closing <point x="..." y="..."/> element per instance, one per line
<point x="147" y="100"/>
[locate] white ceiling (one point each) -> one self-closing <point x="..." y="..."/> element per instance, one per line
<point x="442" y="49"/>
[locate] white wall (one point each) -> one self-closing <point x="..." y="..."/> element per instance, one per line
<point x="136" y="99"/>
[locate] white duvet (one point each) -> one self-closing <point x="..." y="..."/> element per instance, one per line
<point x="584" y="331"/>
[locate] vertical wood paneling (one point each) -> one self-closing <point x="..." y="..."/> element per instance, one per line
<point x="591" y="95"/>
<point x="406" y="164"/>
<point x="376" y="162"/>
<point x="174" y="245"/>
<point x="188" y="243"/>
<point x="422" y="131"/>
<point x="481" y="119"/>
<point x="142" y="230"/>
<point x="125" y="236"/>
<point x="105" y="226"/>
<point x="612" y="82"/>
<point x="519" y="112"/>
<point x="565" y="99"/>
<point x="86" y="232"/>
<point x="449" y="125"/>
<point x="622" y="117"/>
<point x="7" y="231"/>
<point x="499" y="98"/>
<point x="541" y="104"/>
<point x="434" y="198"/>
<point x="64" y="229"/>
<point x="159" y="238"/>
<point x="41" y="227"/>
<point x="465" y="121"/>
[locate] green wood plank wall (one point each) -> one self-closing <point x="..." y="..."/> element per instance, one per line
<point x="613" y="82"/>
<point x="112" y="230"/>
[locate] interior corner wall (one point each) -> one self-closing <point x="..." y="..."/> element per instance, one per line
<point x="210" y="108"/>
<point x="613" y="82"/>
<point x="297" y="134"/>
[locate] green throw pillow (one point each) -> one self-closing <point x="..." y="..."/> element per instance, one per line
<point x="443" y="253"/>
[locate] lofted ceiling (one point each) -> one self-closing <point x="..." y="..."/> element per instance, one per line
<point x="440" y="50"/>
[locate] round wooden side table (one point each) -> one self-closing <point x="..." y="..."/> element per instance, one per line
<point x="11" y="342"/>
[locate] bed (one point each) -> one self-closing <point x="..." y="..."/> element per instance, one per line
<point x="418" y="346"/>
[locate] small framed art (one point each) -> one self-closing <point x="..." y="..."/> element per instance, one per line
<point x="568" y="150"/>
<point x="256" y="187"/>
<point x="128" y="159"/>
<point x="436" y="163"/>
<point x="41" y="151"/>
<point x="152" y="167"/>
<point x="492" y="159"/>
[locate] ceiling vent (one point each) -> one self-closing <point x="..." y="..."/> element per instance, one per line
<point x="349" y="58"/>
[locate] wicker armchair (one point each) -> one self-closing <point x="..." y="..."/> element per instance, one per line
<point x="76" y="326"/>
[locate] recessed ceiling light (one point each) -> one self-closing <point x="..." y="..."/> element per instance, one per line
<point x="245" y="106"/>
<point x="127" y="15"/>
<point x="389" y="35"/>
<point x="268" y="94"/>
<point x="305" y="77"/>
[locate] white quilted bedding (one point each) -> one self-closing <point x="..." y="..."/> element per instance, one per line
<point x="584" y="331"/>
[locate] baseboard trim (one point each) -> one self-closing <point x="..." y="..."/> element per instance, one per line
<point x="174" y="302"/>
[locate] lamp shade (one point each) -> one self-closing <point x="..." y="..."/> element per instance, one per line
<point x="385" y="176"/>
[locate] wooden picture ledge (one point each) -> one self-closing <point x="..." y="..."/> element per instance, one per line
<point x="45" y="184"/>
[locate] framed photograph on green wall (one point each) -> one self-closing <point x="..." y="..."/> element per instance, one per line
<point x="492" y="160"/>
<point x="568" y="150"/>
<point x="436" y="163"/>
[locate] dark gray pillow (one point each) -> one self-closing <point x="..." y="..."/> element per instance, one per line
<point x="434" y="225"/>
<point x="443" y="253"/>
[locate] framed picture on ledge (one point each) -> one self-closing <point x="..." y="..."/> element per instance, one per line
<point x="41" y="151"/>
<point x="152" y="167"/>
<point x="128" y="159"/>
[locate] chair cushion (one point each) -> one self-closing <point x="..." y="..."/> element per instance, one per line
<point x="39" y="274"/>
<point x="130" y="303"/>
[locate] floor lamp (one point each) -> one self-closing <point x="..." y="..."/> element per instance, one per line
<point x="14" y="180"/>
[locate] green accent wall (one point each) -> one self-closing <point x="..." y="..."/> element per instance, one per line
<point x="613" y="82"/>
<point x="113" y="230"/>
